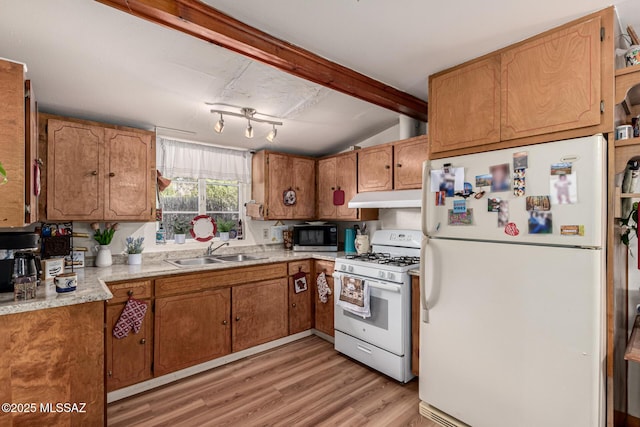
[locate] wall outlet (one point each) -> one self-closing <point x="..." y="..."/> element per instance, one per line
<point x="265" y="233"/>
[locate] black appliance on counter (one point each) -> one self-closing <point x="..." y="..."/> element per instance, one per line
<point x="19" y="257"/>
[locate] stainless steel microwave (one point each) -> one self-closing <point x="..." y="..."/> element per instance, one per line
<point x="315" y="237"/>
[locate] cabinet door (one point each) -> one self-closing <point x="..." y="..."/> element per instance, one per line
<point x="552" y="83"/>
<point x="375" y="171"/>
<point x="347" y="181"/>
<point x="130" y="176"/>
<point x="409" y="157"/>
<point x="280" y="180"/>
<point x="191" y="329"/>
<point x="326" y="186"/>
<point x="415" y="325"/>
<point x="300" y="312"/>
<point x="464" y="106"/>
<point x="31" y="153"/>
<point x="324" y="311"/>
<point x="304" y="182"/>
<point x="260" y="313"/>
<point x="129" y="358"/>
<point x="75" y="171"/>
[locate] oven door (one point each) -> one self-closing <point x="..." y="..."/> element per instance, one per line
<point x="385" y="327"/>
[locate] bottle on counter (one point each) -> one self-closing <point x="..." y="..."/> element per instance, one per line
<point x="161" y="235"/>
<point x="240" y="231"/>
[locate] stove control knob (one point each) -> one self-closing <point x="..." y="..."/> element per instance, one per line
<point x="391" y="276"/>
<point x="343" y="267"/>
<point x="351" y="269"/>
<point x="381" y="274"/>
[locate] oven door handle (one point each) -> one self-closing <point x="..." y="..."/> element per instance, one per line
<point x="384" y="287"/>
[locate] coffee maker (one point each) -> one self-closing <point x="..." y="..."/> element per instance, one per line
<point x="19" y="257"/>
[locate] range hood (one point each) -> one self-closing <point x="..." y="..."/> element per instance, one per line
<point x="387" y="199"/>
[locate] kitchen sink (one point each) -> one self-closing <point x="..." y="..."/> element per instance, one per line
<point x="238" y="258"/>
<point x="190" y="262"/>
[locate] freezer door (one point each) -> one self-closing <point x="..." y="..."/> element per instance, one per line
<point x="514" y="334"/>
<point x="587" y="159"/>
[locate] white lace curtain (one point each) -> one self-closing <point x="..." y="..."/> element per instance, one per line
<point x="189" y="160"/>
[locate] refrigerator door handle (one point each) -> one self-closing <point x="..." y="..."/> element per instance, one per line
<point x="426" y="173"/>
<point x="423" y="282"/>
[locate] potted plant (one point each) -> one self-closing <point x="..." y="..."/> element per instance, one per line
<point x="224" y="227"/>
<point x="133" y="248"/>
<point x="103" y="237"/>
<point x="181" y="227"/>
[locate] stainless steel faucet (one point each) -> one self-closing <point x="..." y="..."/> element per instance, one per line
<point x="211" y="250"/>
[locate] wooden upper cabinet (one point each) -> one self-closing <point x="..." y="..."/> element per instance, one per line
<point x="18" y="147"/>
<point x="347" y="181"/>
<point x="99" y="172"/>
<point x="260" y="313"/>
<point x="464" y="106"/>
<point x="552" y="83"/>
<point x="273" y="174"/>
<point x="75" y="171"/>
<point x="375" y="168"/>
<point x="191" y="329"/>
<point x="304" y="182"/>
<point x="409" y="157"/>
<point x="326" y="187"/>
<point x="130" y="169"/>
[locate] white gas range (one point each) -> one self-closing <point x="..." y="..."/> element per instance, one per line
<point x="382" y="340"/>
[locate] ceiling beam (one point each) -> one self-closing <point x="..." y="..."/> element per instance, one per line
<point x="202" y="21"/>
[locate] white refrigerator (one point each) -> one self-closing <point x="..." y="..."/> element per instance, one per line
<point x="512" y="329"/>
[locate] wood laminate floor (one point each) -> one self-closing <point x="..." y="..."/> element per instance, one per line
<point x="305" y="383"/>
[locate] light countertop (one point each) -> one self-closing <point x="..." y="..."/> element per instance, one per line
<point x="92" y="280"/>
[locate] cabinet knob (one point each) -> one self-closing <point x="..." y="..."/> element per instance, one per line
<point x="143" y="341"/>
<point x="94" y="173"/>
<point x="237" y="319"/>
<point x="293" y="305"/>
<point x="224" y="322"/>
<point x="130" y="293"/>
<point x="387" y="167"/>
<point x="399" y="165"/>
<point x="333" y="188"/>
<point x="109" y="373"/>
<point x="112" y="174"/>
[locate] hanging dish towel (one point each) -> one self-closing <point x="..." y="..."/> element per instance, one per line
<point x="353" y="295"/>
<point x="131" y="318"/>
<point x="323" y="288"/>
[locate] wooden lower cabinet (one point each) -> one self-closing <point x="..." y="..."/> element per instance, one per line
<point x="323" y="311"/>
<point x="259" y="313"/>
<point x="128" y="359"/>
<point x="415" y="325"/>
<point x="191" y="329"/>
<point x="54" y="355"/>
<point x="300" y="303"/>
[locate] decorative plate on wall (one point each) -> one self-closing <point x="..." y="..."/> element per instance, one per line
<point x="203" y="228"/>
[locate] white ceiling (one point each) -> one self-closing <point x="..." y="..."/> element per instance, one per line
<point x="91" y="61"/>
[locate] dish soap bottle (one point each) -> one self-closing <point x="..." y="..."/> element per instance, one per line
<point x="161" y="235"/>
<point x="240" y="231"/>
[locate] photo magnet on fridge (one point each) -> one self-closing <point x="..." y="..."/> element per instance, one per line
<point x="540" y="223"/>
<point x="441" y="196"/>
<point x="448" y="180"/>
<point x="503" y="213"/>
<point x="538" y="203"/>
<point x="563" y="184"/>
<point x="572" y="230"/>
<point x="521" y="160"/>
<point x="519" y="179"/>
<point x="460" y="218"/>
<point x="500" y="178"/>
<point x="484" y="180"/>
<point x="493" y="204"/>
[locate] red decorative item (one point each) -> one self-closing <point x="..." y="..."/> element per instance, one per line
<point x="130" y="319"/>
<point x="203" y="228"/>
<point x="511" y="229"/>
<point x="338" y="197"/>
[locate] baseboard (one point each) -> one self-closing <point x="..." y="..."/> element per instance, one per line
<point x="631" y="421"/>
<point x="324" y="336"/>
<point x="192" y="370"/>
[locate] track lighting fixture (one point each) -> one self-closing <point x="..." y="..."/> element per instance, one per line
<point x="219" y="125"/>
<point x="249" y="131"/>
<point x="272" y="134"/>
<point x="249" y="114"/>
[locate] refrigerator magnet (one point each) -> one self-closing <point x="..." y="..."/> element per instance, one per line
<point x="441" y="196"/>
<point x="500" y="178"/>
<point x="511" y="229"/>
<point x="521" y="160"/>
<point x="519" y="179"/>
<point x="459" y="206"/>
<point x="572" y="230"/>
<point x="563" y="184"/>
<point x="466" y="191"/>
<point x="538" y="203"/>
<point x="484" y="180"/>
<point x="503" y="213"/>
<point x="448" y="180"/>
<point x="540" y="223"/>
<point x="493" y="204"/>
<point x="460" y="218"/>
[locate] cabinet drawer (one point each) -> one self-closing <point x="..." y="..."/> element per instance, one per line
<point x="325" y="267"/>
<point x="120" y="290"/>
<point x="298" y="266"/>
<point x="218" y="278"/>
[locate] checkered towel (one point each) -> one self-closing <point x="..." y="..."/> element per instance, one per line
<point x="131" y="318"/>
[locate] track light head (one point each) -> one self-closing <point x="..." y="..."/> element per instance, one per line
<point x="219" y="125"/>
<point x="271" y="136"/>
<point x="249" y="131"/>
